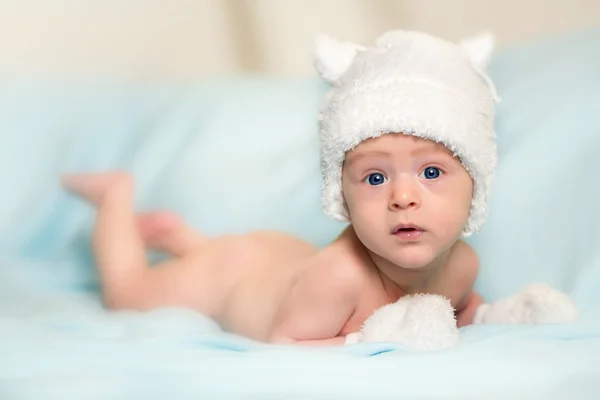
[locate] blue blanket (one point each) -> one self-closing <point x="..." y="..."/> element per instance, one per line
<point x="241" y="153"/>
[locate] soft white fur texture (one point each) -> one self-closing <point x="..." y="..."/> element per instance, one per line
<point x="421" y="322"/>
<point x="538" y="303"/>
<point x="427" y="322"/>
<point x="412" y="83"/>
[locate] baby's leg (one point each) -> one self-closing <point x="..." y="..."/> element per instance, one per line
<point x="118" y="247"/>
<point x="197" y="280"/>
<point x="165" y="231"/>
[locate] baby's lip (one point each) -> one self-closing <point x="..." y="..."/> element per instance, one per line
<point x="406" y="226"/>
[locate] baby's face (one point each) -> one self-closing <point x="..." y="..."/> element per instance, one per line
<point x="408" y="198"/>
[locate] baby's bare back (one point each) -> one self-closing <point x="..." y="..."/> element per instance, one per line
<point x="241" y="279"/>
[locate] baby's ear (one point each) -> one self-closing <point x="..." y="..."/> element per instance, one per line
<point x="333" y="58"/>
<point x="479" y="49"/>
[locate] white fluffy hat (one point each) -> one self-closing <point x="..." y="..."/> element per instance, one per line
<point x="411" y="83"/>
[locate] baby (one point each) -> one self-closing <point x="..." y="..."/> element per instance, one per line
<point x="407" y="154"/>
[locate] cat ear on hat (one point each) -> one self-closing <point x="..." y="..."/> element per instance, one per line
<point x="479" y="49"/>
<point x="333" y="57"/>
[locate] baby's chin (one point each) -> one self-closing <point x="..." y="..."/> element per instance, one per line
<point x="414" y="259"/>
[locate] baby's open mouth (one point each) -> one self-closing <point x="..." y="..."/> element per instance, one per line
<point x="406" y="231"/>
<point x="406" y="228"/>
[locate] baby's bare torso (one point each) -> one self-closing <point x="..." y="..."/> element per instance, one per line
<point x="250" y="275"/>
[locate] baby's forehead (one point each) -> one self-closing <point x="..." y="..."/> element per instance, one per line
<point x="392" y="143"/>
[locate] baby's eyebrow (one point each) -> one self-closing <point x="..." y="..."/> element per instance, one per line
<point x="357" y="157"/>
<point x="433" y="148"/>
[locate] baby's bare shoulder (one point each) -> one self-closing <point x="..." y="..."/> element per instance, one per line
<point x="343" y="263"/>
<point x="464" y="258"/>
<point x="462" y="269"/>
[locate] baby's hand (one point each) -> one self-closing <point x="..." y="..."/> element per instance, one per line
<point x="424" y="322"/>
<point x="536" y="304"/>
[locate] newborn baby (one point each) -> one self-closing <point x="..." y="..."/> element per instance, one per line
<point x="407" y="154"/>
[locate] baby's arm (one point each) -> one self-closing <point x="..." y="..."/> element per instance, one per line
<point x="317" y="306"/>
<point x="464" y="270"/>
<point x="466" y="313"/>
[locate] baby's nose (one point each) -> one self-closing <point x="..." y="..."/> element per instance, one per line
<point x="404" y="196"/>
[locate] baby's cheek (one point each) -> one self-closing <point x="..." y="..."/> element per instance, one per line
<point x="366" y="202"/>
<point x="370" y="194"/>
<point x="451" y="221"/>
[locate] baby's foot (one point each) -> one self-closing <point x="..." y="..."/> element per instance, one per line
<point x="424" y="322"/>
<point x="166" y="231"/>
<point x="153" y="226"/>
<point x="93" y="186"/>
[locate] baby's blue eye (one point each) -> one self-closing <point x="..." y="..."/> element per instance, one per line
<point x="431" y="173"/>
<point x="376" y="179"/>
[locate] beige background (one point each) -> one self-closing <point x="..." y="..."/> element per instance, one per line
<point x="197" y="38"/>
